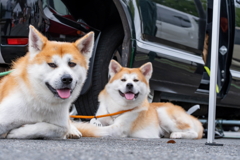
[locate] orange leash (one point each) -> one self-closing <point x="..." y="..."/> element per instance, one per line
<point x="100" y="116"/>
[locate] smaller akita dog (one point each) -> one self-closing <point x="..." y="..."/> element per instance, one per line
<point x="35" y="97"/>
<point x="128" y="89"/>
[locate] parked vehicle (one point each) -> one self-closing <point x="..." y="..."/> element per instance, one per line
<point x="173" y="35"/>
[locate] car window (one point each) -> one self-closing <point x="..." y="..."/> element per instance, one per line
<point x="186" y="6"/>
<point x="58" y="6"/>
<point x="172" y="17"/>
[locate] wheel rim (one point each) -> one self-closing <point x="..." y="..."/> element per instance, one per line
<point x="117" y="55"/>
<point x="150" y="96"/>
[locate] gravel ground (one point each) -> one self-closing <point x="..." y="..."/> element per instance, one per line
<point x="118" y="149"/>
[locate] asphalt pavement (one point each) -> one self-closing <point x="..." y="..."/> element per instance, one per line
<point x="118" y="149"/>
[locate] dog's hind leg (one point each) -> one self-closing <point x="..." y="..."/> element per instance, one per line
<point x="73" y="132"/>
<point x="38" y="130"/>
<point x="90" y="130"/>
<point x="184" y="134"/>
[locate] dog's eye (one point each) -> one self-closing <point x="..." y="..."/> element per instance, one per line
<point x="71" y="64"/>
<point x="135" y="80"/>
<point x="53" y="65"/>
<point x="123" y="80"/>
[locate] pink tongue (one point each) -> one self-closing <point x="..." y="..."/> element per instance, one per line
<point x="64" y="93"/>
<point x="129" y="96"/>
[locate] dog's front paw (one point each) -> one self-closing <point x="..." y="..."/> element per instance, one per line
<point x="16" y="133"/>
<point x="74" y="133"/>
<point x="176" y="135"/>
<point x="3" y="136"/>
<point x="12" y="134"/>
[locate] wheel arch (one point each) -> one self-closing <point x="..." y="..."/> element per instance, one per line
<point x="128" y="45"/>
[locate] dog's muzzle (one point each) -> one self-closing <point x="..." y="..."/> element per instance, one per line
<point x="62" y="93"/>
<point x="129" y="95"/>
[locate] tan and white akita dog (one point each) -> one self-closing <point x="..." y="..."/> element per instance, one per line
<point x="128" y="89"/>
<point x="35" y="98"/>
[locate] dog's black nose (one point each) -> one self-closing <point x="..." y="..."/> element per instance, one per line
<point x="129" y="85"/>
<point x="66" y="79"/>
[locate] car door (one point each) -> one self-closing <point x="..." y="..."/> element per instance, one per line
<point x="172" y="37"/>
<point x="176" y="37"/>
<point x="232" y="88"/>
<point x="226" y="52"/>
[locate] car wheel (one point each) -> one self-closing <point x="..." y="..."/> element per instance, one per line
<point x="109" y="47"/>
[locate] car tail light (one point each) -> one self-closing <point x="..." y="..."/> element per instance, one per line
<point x="17" y="41"/>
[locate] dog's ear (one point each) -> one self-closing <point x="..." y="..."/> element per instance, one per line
<point x="146" y="70"/>
<point x="85" y="45"/>
<point x="36" y="41"/>
<point x="114" y="67"/>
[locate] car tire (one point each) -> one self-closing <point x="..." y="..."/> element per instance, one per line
<point x="109" y="44"/>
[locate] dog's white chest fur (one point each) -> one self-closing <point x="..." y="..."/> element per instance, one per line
<point x="36" y="96"/>
<point x="128" y="89"/>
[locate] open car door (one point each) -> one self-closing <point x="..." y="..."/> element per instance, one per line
<point x="226" y="41"/>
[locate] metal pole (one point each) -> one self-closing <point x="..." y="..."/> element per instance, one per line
<point x="213" y="74"/>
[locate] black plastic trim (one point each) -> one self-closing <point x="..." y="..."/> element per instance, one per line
<point x="12" y="52"/>
<point x="88" y="82"/>
<point x="231" y="33"/>
<point x="73" y="23"/>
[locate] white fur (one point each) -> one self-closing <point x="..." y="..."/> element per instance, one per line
<point x="147" y="70"/>
<point x="111" y="102"/>
<point x="118" y="85"/>
<point x="35" y="42"/>
<point x="168" y="125"/>
<point x="150" y="131"/>
<point x="119" y="125"/>
<point x="122" y="125"/>
<point x="114" y="68"/>
<point x="85" y="45"/>
<point x="35" y="112"/>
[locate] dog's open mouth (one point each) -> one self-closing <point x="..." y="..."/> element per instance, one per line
<point x="129" y="95"/>
<point x="63" y="93"/>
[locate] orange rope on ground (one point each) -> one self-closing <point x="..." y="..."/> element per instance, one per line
<point x="100" y="116"/>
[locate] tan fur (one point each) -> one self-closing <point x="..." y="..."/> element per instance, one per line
<point x="146" y="120"/>
<point x="7" y="84"/>
<point x="174" y="111"/>
<point x="29" y="108"/>
<point x="150" y="116"/>
<point x="88" y="130"/>
<point x="129" y="71"/>
<point x="145" y="117"/>
<point x="200" y="132"/>
<point x="52" y="48"/>
<point x="205" y="49"/>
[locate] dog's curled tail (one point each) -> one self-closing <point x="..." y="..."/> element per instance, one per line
<point x="90" y="130"/>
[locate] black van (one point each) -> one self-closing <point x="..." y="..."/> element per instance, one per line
<point x="174" y="35"/>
